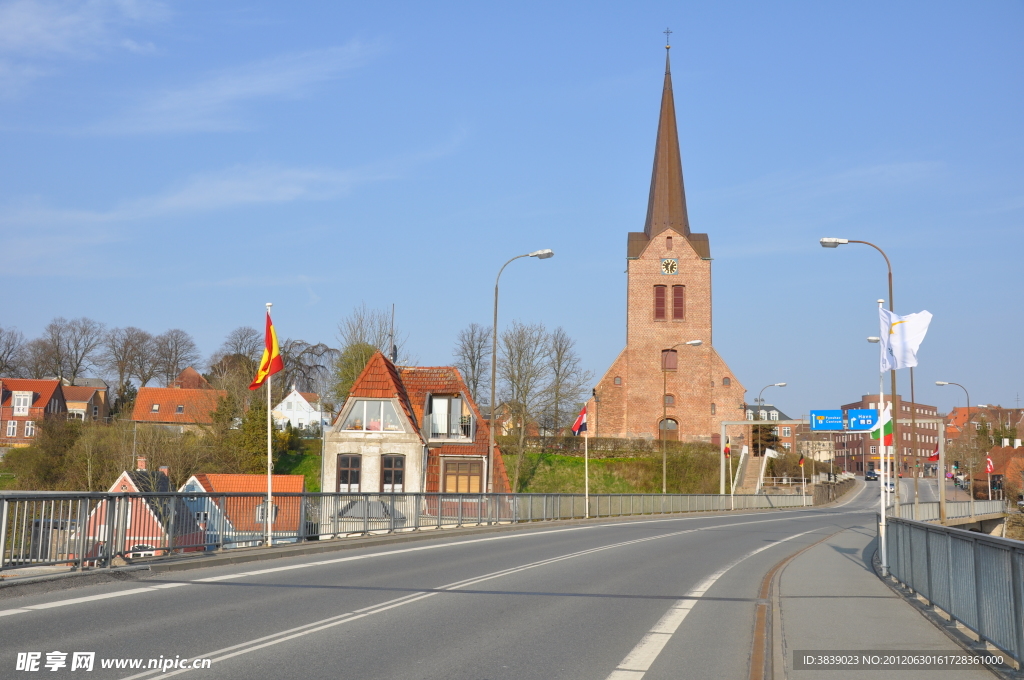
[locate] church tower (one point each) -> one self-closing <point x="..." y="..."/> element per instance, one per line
<point x="664" y="383"/>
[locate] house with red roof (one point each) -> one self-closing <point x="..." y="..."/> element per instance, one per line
<point x="409" y="429"/>
<point x="86" y="402"/>
<point x="238" y="521"/>
<point x="23" y="405"/>
<point x="177" y="407"/>
<point x="994" y="416"/>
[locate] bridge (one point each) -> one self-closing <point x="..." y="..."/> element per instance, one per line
<point x="647" y="587"/>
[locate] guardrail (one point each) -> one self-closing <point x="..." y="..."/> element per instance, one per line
<point x="88" y="530"/>
<point x="929" y="512"/>
<point x="974" y="578"/>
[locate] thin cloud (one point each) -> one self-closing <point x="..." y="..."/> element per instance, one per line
<point x="213" y="103"/>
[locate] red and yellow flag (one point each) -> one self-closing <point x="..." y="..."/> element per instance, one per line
<point x="271" y="362"/>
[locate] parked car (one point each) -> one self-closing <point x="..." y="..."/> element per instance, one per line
<point x="870" y="476"/>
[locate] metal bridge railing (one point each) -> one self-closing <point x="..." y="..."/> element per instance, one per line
<point x="929" y="512"/>
<point x="88" y="530"/>
<point x="975" y="578"/>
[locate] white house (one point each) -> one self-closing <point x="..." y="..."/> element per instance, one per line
<point x="301" y="409"/>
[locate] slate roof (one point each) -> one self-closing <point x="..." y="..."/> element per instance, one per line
<point x="199" y="405"/>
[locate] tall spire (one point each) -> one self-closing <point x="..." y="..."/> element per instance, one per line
<point x="666" y="207"/>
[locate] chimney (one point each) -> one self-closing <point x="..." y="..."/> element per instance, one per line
<point x="1006" y="442"/>
<point x="140" y="463"/>
<point x="166" y="470"/>
<point x="1016" y="443"/>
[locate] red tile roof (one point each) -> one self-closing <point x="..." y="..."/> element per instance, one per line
<point x="190" y="379"/>
<point x="379" y="380"/>
<point x="199" y="405"/>
<point x="223" y="483"/>
<point x="310" y="397"/>
<point x="78" y="392"/>
<point x="241" y="512"/>
<point x="43" y="390"/>
<point x="1002" y="457"/>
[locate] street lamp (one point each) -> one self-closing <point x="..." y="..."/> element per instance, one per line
<point x="540" y="255"/>
<point x="664" y="410"/>
<point x="831" y="242"/>
<point x="970" y="434"/>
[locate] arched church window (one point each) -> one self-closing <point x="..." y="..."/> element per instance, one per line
<point x="669" y="424"/>
<point x="713" y="409"/>
<point x="726" y="382"/>
<point x="678" y="302"/>
<point x="669" y="360"/>
<point x="659" y="303"/>
<point x="618" y="380"/>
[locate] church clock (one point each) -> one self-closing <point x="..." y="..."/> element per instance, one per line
<point x="670" y="266"/>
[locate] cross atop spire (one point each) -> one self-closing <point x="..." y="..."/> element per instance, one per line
<point x="667" y="32"/>
<point x="666" y="206"/>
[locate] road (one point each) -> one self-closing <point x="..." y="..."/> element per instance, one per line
<point x="655" y="598"/>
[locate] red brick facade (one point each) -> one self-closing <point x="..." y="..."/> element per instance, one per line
<point x="668" y="304"/>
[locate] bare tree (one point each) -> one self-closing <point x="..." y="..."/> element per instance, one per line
<point x="244" y="341"/>
<point x="175" y="351"/>
<point x="371" y="327"/>
<point x="145" y="362"/>
<point x="36" y="359"/>
<point x="73" y="345"/>
<point x="12" y="346"/>
<point x="473" y="358"/>
<point x="568" y="380"/>
<point x="121" y="353"/>
<point x="306" y="366"/>
<point x="522" y="370"/>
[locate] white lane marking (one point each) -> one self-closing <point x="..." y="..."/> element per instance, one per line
<point x="853" y="497"/>
<point x="316" y="626"/>
<point x="387" y="553"/>
<point x="639" y="660"/>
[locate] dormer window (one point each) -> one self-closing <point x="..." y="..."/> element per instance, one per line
<point x="372" y="415"/>
<point x="155" y="408"/>
<point x="22" y="400"/>
<point x="450" y="418"/>
<point x="180" y="409"/>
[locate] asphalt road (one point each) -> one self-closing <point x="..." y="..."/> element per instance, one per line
<point x="655" y="598"/>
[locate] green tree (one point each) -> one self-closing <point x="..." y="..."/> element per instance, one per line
<point x="350" y="364"/>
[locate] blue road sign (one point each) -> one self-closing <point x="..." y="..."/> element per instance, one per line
<point x="862" y="418"/>
<point x="827" y="420"/>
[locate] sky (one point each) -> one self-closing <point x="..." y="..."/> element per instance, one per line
<point x="179" y="164"/>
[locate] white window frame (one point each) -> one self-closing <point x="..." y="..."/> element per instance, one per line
<point x="787" y="432"/>
<point x="22" y="402"/>
<point x="12" y="428"/>
<point x="261" y="512"/>
<point x="30" y="428"/>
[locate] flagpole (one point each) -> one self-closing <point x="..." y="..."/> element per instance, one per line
<point x="586" y="477"/>
<point x="269" y="513"/>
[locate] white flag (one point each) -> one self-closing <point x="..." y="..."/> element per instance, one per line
<point x="771" y="453"/>
<point x="901" y="337"/>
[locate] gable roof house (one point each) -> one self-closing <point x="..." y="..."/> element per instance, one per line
<point x="237" y="521"/>
<point x="180" y="408"/>
<point x="85" y="402"/>
<point x="409" y="429"/>
<point x="23" y="403"/>
<point x="301" y="409"/>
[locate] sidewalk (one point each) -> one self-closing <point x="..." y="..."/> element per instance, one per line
<point x="829" y="598"/>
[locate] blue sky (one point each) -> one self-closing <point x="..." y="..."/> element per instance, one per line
<point x="179" y="164"/>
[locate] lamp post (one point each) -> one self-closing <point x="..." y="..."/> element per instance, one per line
<point x="664" y="410"/>
<point x="540" y="255"/>
<point x="970" y="434"/>
<point x="835" y="243"/>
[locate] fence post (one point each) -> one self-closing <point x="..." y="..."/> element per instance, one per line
<point x="301" y="538"/>
<point x="977" y="588"/>
<point x="1017" y="593"/>
<point x="391" y="513"/>
<point x="366" y="514"/>
<point x="83" y="531"/>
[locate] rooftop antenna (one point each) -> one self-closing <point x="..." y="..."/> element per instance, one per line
<point x="394" y="347"/>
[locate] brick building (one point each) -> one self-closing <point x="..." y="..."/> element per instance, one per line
<point x="23" y="405"/>
<point x="857" y="452"/>
<point x="1004" y="420"/>
<point x="668" y="303"/>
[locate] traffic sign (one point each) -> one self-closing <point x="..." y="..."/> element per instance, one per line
<point x="827" y="420"/>
<point x="862" y="418"/>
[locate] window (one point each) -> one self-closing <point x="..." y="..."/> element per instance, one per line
<point x="288" y="406"/>
<point x="368" y="415"/>
<point x="726" y="382"/>
<point x="787" y="432"/>
<point x="450" y="418"/>
<point x="668" y="243"/>
<point x="180" y="409"/>
<point x="669" y="429"/>
<point x="774" y="415"/>
<point x="22" y="400"/>
<point x="261" y="513"/>
<point x="874" y="449"/>
<point x="12" y="428"/>
<point x="750" y="414"/>
<point x="95" y="411"/>
<point x="659" y="303"/>
<point x="202" y="517"/>
<point x="392" y="474"/>
<point x="463" y="476"/>
<point x="348" y="473"/>
<point x="762" y="415"/>
<point x="713" y="409"/>
<point x="786" y="445"/>
<point x="678" y="302"/>
<point x="30" y="428"/>
<point x="618" y="380"/>
<point x="155" y="408"/>
<point x="669" y="360"/>
<point x="775" y="431"/>
<point x="670" y="400"/>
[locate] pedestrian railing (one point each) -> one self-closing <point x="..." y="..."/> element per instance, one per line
<point x="974" y="578"/>
<point x="929" y="512"/>
<point x="87" y="530"/>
